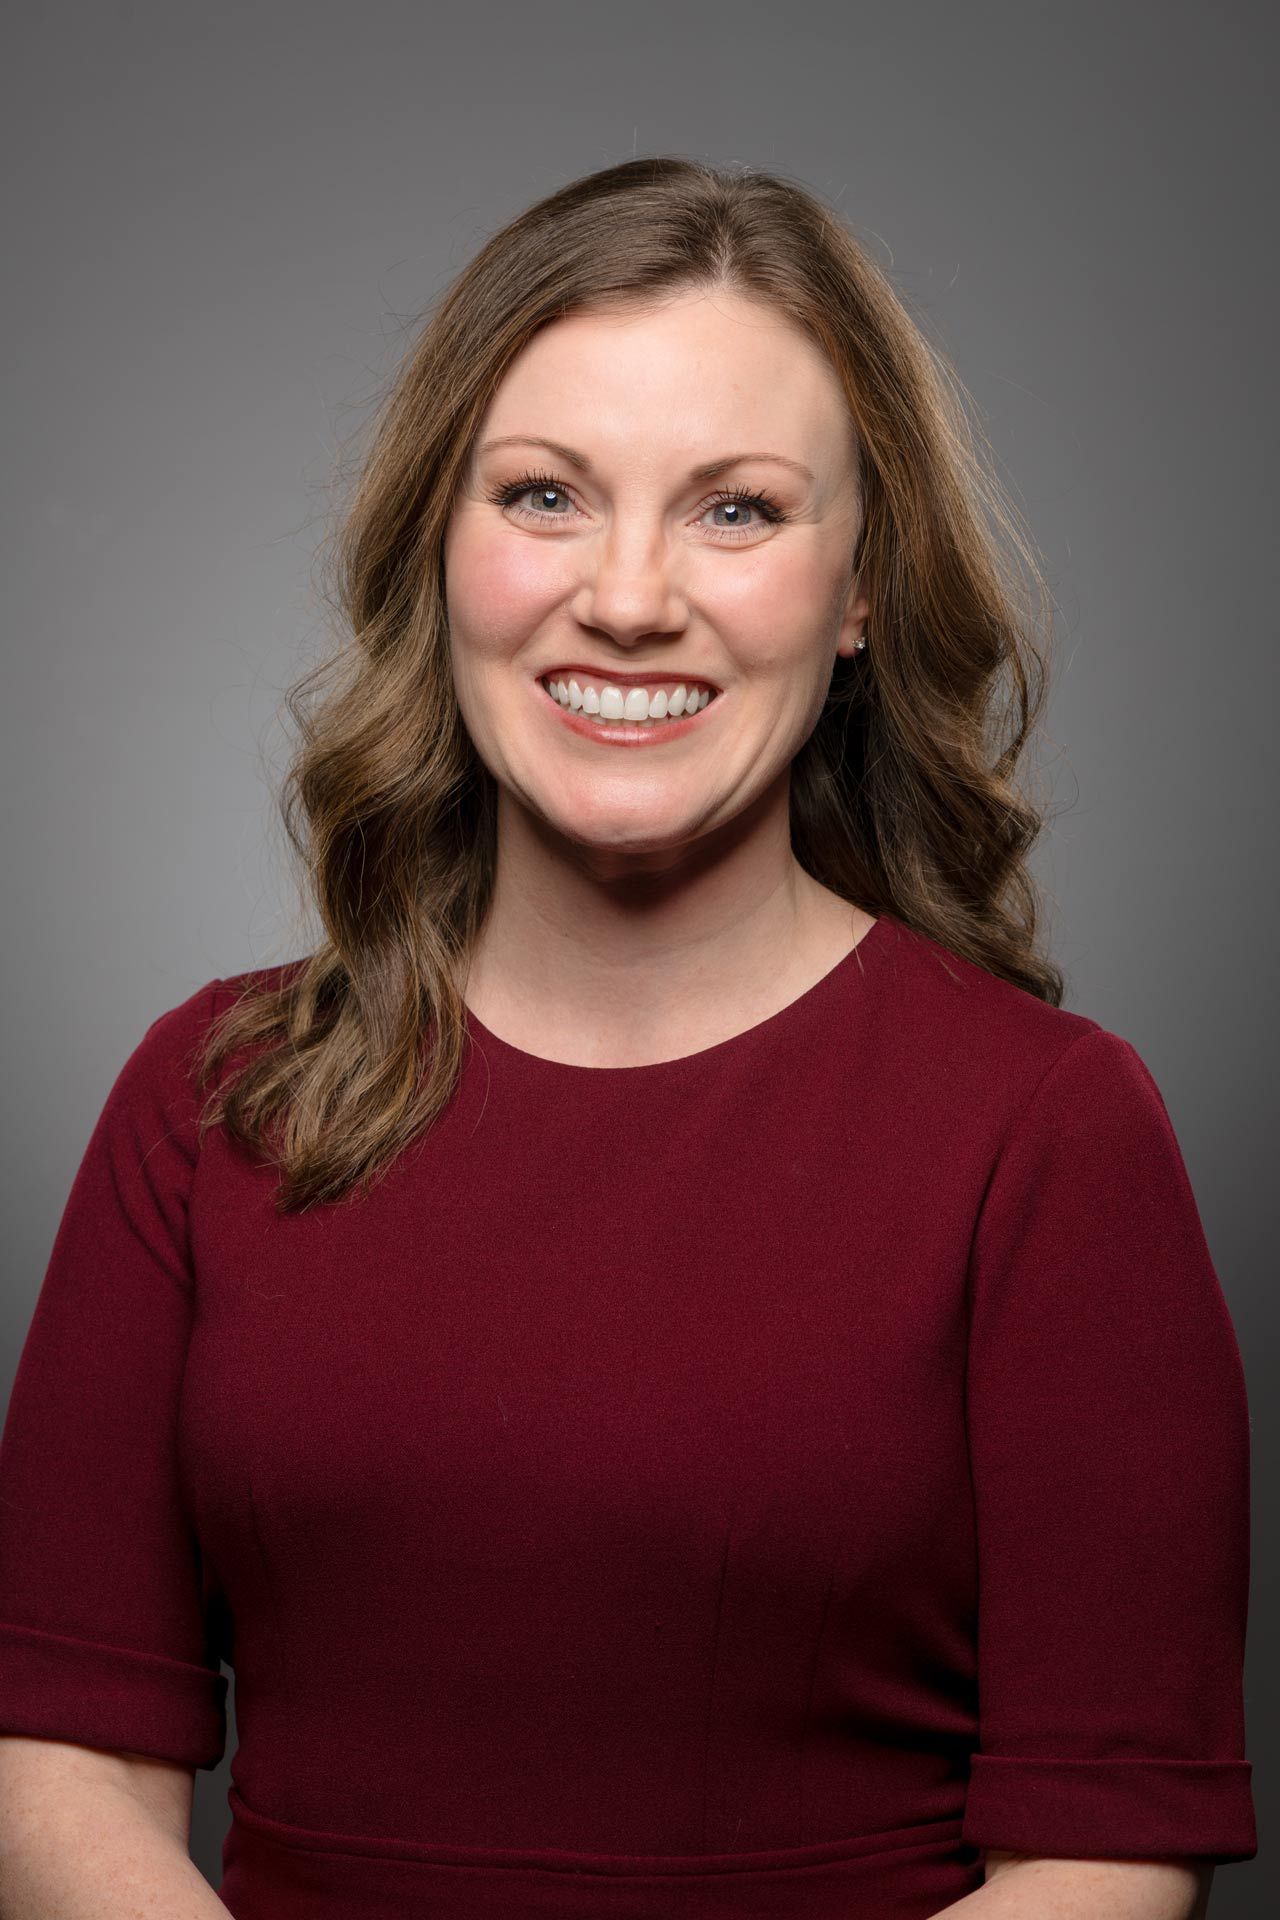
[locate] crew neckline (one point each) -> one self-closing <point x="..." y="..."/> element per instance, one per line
<point x="772" y="1025"/>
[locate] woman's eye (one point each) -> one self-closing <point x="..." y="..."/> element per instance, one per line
<point x="548" y="500"/>
<point x="745" y="512"/>
<point x="549" y="497"/>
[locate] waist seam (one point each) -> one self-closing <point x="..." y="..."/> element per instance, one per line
<point x="574" y="1863"/>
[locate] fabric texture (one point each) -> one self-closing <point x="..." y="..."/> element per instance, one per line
<point x="751" y="1484"/>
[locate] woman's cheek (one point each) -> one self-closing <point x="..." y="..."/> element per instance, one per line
<point x="771" y="613"/>
<point x="499" y="589"/>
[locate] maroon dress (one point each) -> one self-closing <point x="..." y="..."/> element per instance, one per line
<point x="747" y="1485"/>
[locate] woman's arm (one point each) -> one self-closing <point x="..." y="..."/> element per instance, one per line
<point x="86" y="1833"/>
<point x="1020" y="1887"/>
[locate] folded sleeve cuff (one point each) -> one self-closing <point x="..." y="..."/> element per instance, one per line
<point x="56" y="1687"/>
<point x="1112" y="1809"/>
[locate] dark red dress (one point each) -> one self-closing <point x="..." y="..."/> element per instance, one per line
<point x="748" y="1485"/>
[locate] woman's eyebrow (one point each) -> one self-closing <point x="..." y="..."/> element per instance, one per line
<point x="707" y="471"/>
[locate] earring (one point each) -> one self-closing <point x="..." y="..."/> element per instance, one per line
<point x="860" y="643"/>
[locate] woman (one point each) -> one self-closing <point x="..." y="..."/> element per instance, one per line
<point x="677" y="1375"/>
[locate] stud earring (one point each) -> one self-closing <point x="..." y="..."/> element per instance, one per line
<point x="860" y="643"/>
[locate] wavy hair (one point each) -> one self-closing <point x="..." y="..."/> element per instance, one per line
<point x="903" y="799"/>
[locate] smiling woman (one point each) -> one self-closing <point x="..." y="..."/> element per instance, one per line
<point x="681" y="1378"/>
<point x="671" y="426"/>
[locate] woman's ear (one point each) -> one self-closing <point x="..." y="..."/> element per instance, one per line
<point x="853" y="620"/>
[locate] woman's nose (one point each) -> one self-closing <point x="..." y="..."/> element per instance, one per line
<point x="629" y="585"/>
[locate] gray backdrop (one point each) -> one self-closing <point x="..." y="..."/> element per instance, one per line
<point x="220" y="222"/>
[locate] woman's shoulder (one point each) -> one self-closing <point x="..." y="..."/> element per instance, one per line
<point x="162" y="1069"/>
<point x="232" y="987"/>
<point x="983" y="1038"/>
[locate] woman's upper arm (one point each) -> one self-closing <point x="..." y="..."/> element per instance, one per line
<point x="1109" y="1442"/>
<point x="110" y="1637"/>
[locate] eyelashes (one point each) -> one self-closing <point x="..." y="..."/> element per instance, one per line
<point x="507" y="495"/>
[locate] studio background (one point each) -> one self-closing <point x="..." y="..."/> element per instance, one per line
<point x="221" y="225"/>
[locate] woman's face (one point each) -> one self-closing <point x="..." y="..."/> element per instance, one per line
<point x="610" y="555"/>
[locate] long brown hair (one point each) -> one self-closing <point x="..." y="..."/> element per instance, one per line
<point x="902" y="800"/>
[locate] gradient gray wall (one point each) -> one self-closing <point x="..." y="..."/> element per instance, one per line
<point x="219" y="221"/>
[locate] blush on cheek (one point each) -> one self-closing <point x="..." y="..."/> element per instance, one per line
<point x="503" y="587"/>
<point x="777" y="607"/>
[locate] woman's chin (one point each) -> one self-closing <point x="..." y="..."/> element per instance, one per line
<point x="621" y="834"/>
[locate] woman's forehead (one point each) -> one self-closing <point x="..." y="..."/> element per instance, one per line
<point x="691" y="384"/>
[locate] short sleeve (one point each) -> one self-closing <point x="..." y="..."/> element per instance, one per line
<point x="1109" y="1446"/>
<point x="105" y="1638"/>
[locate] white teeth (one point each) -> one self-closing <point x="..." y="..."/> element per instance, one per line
<point x="635" y="703"/>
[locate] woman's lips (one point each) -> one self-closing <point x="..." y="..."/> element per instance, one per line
<point x="624" y="733"/>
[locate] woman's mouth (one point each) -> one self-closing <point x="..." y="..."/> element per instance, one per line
<point x="602" y="710"/>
